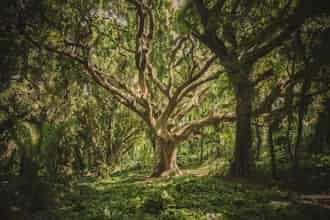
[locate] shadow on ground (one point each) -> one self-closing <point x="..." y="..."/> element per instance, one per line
<point x="130" y="195"/>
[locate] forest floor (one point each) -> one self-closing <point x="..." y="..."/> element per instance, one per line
<point x="203" y="171"/>
<point x="131" y="195"/>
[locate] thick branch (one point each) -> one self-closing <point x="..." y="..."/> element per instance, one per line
<point x="269" y="42"/>
<point x="184" y="131"/>
<point x="218" y="6"/>
<point x="188" y="83"/>
<point x="110" y="83"/>
<point x="179" y="43"/>
<point x="184" y="89"/>
<point x="203" y="11"/>
<point x="264" y="76"/>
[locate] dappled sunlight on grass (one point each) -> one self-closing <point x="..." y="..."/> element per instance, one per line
<point x="134" y="196"/>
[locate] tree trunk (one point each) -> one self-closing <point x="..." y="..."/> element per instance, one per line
<point x="302" y="109"/>
<point x="79" y="164"/>
<point x="243" y="142"/>
<point x="202" y="150"/>
<point x="167" y="165"/>
<point x="289" y="103"/>
<point x="272" y="150"/>
<point x="321" y="135"/>
<point x="258" y="142"/>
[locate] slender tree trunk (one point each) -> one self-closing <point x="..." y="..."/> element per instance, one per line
<point x="302" y="108"/>
<point x="258" y="143"/>
<point x="28" y="167"/>
<point x="110" y="141"/>
<point x="202" y="150"/>
<point x="242" y="160"/>
<point x="272" y="150"/>
<point x="79" y="164"/>
<point x="321" y="135"/>
<point x="167" y="165"/>
<point x="289" y="101"/>
<point x="298" y="142"/>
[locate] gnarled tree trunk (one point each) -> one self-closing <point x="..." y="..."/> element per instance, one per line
<point x="167" y="165"/>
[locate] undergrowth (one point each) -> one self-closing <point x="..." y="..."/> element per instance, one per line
<point x="129" y="195"/>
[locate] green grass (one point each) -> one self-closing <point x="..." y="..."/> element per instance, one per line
<point x="129" y="195"/>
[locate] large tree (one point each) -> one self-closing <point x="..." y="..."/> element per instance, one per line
<point x="241" y="33"/>
<point x="161" y="81"/>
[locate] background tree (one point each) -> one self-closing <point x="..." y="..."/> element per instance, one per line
<point x="241" y="33"/>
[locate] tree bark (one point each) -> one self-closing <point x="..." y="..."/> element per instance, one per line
<point x="167" y="165"/>
<point x="242" y="160"/>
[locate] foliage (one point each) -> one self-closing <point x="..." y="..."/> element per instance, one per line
<point x="96" y="95"/>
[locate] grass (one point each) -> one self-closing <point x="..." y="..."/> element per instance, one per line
<point x="130" y="195"/>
